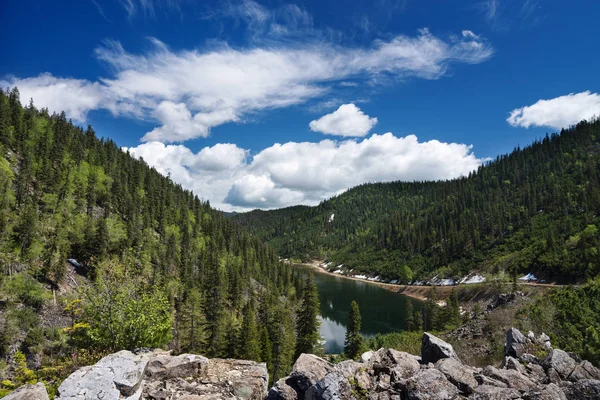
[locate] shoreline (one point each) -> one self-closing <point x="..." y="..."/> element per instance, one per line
<point x="417" y="292"/>
<point x="413" y="291"/>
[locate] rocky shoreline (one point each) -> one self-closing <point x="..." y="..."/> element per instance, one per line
<point x="385" y="374"/>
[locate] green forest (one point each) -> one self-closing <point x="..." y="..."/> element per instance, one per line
<point x="535" y="210"/>
<point x="160" y="267"/>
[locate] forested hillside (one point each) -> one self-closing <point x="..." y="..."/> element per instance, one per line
<point x="534" y="210"/>
<point x="160" y="267"/>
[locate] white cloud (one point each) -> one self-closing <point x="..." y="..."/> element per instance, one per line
<point x="304" y="173"/>
<point x="559" y="112"/>
<point x="190" y="91"/>
<point x="347" y="120"/>
<point x="73" y="96"/>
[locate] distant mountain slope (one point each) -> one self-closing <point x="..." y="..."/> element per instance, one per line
<point x="535" y="209"/>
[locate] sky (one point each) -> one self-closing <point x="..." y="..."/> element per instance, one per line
<point x="267" y="104"/>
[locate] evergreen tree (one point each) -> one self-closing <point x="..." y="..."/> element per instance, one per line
<point x="308" y="324"/>
<point x="431" y="316"/>
<point x="249" y="335"/>
<point x="192" y="324"/>
<point x="354" y="341"/>
<point x="453" y="309"/>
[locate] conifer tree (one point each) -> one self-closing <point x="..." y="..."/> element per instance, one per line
<point x="431" y="317"/>
<point x="249" y="335"/>
<point x="308" y="324"/>
<point x="354" y="341"/>
<point x="192" y="323"/>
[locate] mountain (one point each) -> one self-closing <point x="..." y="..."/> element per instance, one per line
<point x="534" y="210"/>
<point x="150" y="264"/>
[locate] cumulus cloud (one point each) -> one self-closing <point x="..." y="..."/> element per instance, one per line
<point x="347" y="120"/>
<point x="559" y="112"/>
<point x="188" y="92"/>
<point x="304" y="173"/>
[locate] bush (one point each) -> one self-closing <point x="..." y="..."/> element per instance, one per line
<point x="121" y="314"/>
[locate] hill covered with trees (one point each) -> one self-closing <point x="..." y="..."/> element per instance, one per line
<point x="160" y="267"/>
<point x="534" y="210"/>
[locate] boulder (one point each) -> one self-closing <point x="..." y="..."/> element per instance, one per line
<point x="117" y="376"/>
<point x="307" y="370"/>
<point x="512" y="378"/>
<point x="488" y="392"/>
<point x="366" y="356"/>
<point x="282" y="391"/>
<point x="515" y="343"/>
<point x="548" y="392"/>
<point x="561" y="362"/>
<point x="165" y="366"/>
<point x="393" y="362"/>
<point x="430" y="384"/>
<point x="584" y="370"/>
<point x="334" y="386"/>
<point x="434" y="349"/>
<point x="348" y="368"/>
<point x="28" y="392"/>
<point x="511" y="363"/>
<point x="459" y="375"/>
<point x="585" y="389"/>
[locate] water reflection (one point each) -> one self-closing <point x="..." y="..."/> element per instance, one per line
<point x="382" y="310"/>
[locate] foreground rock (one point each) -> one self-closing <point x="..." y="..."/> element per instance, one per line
<point x="29" y="392"/>
<point x="439" y="375"/>
<point x="116" y="376"/>
<point x="434" y="349"/>
<point x="159" y="375"/>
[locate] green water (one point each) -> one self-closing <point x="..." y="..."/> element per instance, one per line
<point x="382" y="311"/>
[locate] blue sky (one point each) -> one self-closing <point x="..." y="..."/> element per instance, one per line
<point x="269" y="104"/>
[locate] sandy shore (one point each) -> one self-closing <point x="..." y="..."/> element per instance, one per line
<point x="414" y="291"/>
<point x="417" y="292"/>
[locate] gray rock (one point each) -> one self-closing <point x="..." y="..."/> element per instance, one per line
<point x="511" y="363"/>
<point x="165" y="366"/>
<point x="585" y="370"/>
<point x="434" y="349"/>
<point x="116" y="376"/>
<point x="332" y="387"/>
<point x="308" y="370"/>
<point x="459" y="375"/>
<point x="399" y="364"/>
<point x="487" y="392"/>
<point x="536" y="373"/>
<point x="549" y="392"/>
<point x="282" y="391"/>
<point x="585" y="389"/>
<point x="366" y="356"/>
<point x="28" y="392"/>
<point x="348" y="368"/>
<point x="515" y="343"/>
<point x="487" y="381"/>
<point x="529" y="358"/>
<point x="430" y="384"/>
<point x="561" y="362"/>
<point x="512" y="378"/>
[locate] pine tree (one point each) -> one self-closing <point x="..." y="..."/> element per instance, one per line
<point x="431" y="317"/>
<point x="192" y="323"/>
<point x="308" y="324"/>
<point x="453" y="309"/>
<point x="354" y="341"/>
<point x="249" y="335"/>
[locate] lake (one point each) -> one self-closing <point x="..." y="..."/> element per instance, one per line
<point x="382" y="311"/>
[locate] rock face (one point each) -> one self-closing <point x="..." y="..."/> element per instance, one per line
<point x="158" y="375"/>
<point x="439" y="375"/>
<point x="29" y="392"/>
